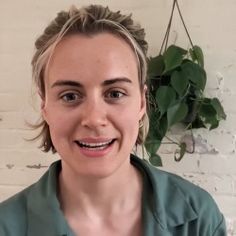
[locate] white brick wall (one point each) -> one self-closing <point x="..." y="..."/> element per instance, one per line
<point x="212" y="26"/>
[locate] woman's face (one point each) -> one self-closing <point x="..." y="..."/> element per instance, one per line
<point x="93" y="103"/>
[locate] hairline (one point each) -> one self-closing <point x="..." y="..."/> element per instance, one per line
<point x="65" y="32"/>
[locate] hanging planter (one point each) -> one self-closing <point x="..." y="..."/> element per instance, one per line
<point x="177" y="81"/>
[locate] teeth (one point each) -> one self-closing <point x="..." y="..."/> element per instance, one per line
<point x="94" y="145"/>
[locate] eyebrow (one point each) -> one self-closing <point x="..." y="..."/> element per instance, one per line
<point x="77" y="84"/>
<point x="66" y="83"/>
<point x="116" y="80"/>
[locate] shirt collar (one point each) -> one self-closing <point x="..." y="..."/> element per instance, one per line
<point x="44" y="214"/>
<point x="164" y="205"/>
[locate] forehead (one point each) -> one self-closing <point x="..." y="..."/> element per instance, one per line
<point x="104" y="54"/>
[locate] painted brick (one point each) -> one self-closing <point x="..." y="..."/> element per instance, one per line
<point x="12" y="102"/>
<point x="214" y="184"/>
<point x="14" y="138"/>
<point x="189" y="163"/>
<point x="231" y="225"/>
<point x="17" y="119"/>
<point x="20" y="158"/>
<point x="219" y="164"/>
<point x="20" y="176"/>
<point x="227" y="204"/>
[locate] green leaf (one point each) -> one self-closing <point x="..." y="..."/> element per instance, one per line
<point x="176" y="113"/>
<point x="193" y="107"/>
<point x="207" y="112"/>
<point x="162" y="126"/>
<point x="207" y="101"/>
<point x="195" y="74"/>
<point x="156" y="66"/>
<point x="198" y="123"/>
<point x="157" y="127"/>
<point x="173" y="57"/>
<point x="208" y="115"/>
<point x="165" y="97"/>
<point x="179" y="81"/>
<point x="155" y="160"/>
<point x="197" y="55"/>
<point x="214" y="124"/>
<point x="219" y="109"/>
<point x="180" y="153"/>
<point x="152" y="146"/>
<point x="153" y="125"/>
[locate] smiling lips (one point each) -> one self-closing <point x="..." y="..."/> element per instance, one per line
<point x="95" y="149"/>
<point x="93" y="145"/>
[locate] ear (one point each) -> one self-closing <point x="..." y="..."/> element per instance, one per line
<point x="42" y="107"/>
<point x="143" y="105"/>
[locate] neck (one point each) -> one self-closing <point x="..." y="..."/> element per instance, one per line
<point x="119" y="192"/>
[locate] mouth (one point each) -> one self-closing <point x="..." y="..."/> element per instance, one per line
<point x="94" y="146"/>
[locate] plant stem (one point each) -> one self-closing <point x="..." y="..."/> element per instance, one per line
<point x="170" y="143"/>
<point x="171" y="140"/>
<point x="193" y="140"/>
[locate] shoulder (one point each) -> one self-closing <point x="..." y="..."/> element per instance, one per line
<point x="210" y="220"/>
<point x="191" y="192"/>
<point x="180" y="201"/>
<point x="196" y="196"/>
<point x="18" y="204"/>
<point x="165" y="182"/>
<point x="13" y="214"/>
<point x="29" y="205"/>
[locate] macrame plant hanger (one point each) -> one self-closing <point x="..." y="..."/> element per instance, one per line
<point x="164" y="47"/>
<point x="167" y="34"/>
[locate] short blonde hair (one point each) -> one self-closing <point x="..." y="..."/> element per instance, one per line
<point x="88" y="20"/>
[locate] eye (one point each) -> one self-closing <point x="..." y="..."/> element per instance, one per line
<point x="71" y="97"/>
<point x="115" y="94"/>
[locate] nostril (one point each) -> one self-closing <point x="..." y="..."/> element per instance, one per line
<point x="94" y="120"/>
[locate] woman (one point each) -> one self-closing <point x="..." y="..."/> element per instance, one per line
<point x="90" y="70"/>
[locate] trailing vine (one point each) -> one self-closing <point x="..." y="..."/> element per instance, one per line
<point x="177" y="81"/>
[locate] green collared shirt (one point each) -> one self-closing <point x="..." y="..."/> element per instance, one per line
<point x="171" y="206"/>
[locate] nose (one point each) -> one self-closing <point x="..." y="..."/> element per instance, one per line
<point x="94" y="114"/>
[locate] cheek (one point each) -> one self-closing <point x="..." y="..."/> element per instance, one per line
<point x="59" y="128"/>
<point x="129" y="132"/>
<point x="132" y="113"/>
<point x="129" y="121"/>
<point x="59" y="123"/>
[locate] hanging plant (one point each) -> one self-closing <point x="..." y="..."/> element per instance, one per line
<point x="177" y="80"/>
